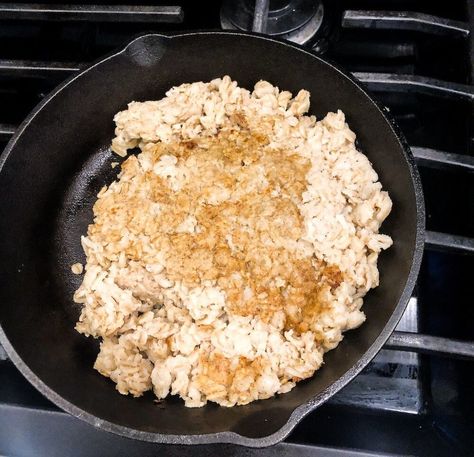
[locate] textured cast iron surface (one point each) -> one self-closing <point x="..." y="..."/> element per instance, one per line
<point x="59" y="159"/>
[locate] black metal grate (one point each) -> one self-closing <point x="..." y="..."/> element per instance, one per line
<point x="418" y="60"/>
<point x="100" y="13"/>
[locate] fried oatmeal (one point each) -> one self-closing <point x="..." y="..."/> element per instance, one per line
<point x="234" y="249"/>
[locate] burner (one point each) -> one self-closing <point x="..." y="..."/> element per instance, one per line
<point x="293" y="20"/>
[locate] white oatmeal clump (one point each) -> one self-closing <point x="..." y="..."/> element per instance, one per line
<point x="234" y="250"/>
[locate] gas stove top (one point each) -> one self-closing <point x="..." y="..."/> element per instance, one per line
<point x="417" y="58"/>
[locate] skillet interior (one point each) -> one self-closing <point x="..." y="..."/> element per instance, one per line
<point x="52" y="171"/>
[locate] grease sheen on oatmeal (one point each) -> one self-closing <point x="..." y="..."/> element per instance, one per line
<point x="234" y="249"/>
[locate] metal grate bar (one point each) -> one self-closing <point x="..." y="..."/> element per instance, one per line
<point x="6" y="131"/>
<point x="391" y="82"/>
<point x="260" y="17"/>
<point x="103" y="13"/>
<point x="427" y="344"/>
<point x="403" y="20"/>
<point x="440" y="159"/>
<point x="365" y="49"/>
<point x="446" y="242"/>
<point x="33" y="68"/>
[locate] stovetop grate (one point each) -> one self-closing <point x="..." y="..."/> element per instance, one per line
<point x="419" y="63"/>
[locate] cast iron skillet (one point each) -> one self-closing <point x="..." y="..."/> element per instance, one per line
<point x="60" y="158"/>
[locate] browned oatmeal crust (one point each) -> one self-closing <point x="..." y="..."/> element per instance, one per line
<point x="234" y="249"/>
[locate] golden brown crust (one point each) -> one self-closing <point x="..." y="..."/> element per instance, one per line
<point x="246" y="242"/>
<point x="219" y="377"/>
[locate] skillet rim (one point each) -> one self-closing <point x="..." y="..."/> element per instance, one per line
<point x="229" y="437"/>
